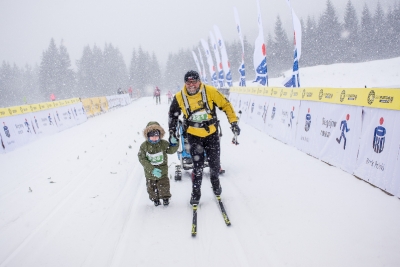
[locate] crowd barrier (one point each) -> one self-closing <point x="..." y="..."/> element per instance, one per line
<point x="23" y="124"/>
<point x="356" y="130"/>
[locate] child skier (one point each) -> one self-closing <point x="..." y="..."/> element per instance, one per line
<point x="153" y="156"/>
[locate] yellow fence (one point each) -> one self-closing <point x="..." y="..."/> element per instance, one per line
<point x="17" y="110"/>
<point x="386" y="98"/>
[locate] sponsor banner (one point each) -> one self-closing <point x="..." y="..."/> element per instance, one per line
<point x="384" y="98"/>
<point x="379" y="155"/>
<point x="288" y="118"/>
<point x="258" y="111"/>
<point x="18" y="130"/>
<point x="338" y="134"/>
<point x="271" y="121"/>
<point x="243" y="103"/>
<point x="13" y="133"/>
<point x="307" y="130"/>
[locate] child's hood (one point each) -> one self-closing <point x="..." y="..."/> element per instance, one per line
<point x="153" y="125"/>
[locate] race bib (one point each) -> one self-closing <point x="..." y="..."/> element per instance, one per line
<point x="200" y="116"/>
<point x="155" y="159"/>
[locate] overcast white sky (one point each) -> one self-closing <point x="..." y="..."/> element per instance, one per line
<point x="26" y="26"/>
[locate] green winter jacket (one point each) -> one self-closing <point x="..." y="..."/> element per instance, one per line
<point x="155" y="155"/>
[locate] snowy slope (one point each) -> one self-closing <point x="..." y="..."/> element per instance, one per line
<point x="89" y="206"/>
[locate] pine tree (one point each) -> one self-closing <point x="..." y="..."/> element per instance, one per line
<point x="329" y="42"/>
<point x="282" y="50"/>
<point x="49" y="71"/>
<point x="309" y="48"/>
<point x="350" y="34"/>
<point x="366" y="34"/>
<point x="378" y="34"/>
<point x="66" y="81"/>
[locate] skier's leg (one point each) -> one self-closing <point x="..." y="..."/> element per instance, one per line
<point x="197" y="154"/>
<point x="152" y="190"/>
<point x="213" y="151"/>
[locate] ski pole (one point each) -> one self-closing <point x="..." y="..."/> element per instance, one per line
<point x="234" y="139"/>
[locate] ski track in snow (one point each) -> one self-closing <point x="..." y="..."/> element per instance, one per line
<point x="97" y="211"/>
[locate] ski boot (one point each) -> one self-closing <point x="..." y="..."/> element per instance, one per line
<point x="156" y="202"/>
<point x="166" y="201"/>
<point x="195" y="199"/>
<point x="216" y="187"/>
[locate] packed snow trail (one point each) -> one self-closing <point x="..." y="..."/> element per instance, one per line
<point x="89" y="206"/>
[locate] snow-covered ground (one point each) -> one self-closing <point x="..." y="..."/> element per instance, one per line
<point x="78" y="198"/>
<point x="378" y="73"/>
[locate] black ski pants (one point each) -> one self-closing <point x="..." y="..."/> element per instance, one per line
<point x="201" y="147"/>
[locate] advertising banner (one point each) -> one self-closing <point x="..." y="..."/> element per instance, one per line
<point x="338" y="138"/>
<point x="307" y="130"/>
<point x="379" y="156"/>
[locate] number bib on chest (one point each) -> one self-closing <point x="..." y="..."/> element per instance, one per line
<point x="155" y="159"/>
<point x="199" y="116"/>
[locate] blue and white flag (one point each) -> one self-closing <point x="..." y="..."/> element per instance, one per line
<point x="210" y="63"/>
<point x="197" y="65"/>
<point x="203" y="68"/>
<point x="221" y="78"/>
<point x="226" y="66"/>
<point x="241" y="69"/>
<point x="294" y="81"/>
<point x="260" y="53"/>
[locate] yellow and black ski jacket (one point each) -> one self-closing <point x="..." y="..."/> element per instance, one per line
<point x="199" y="115"/>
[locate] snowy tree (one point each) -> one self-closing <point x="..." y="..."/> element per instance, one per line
<point x="66" y="81"/>
<point x="366" y="34"/>
<point x="280" y="55"/>
<point x="378" y="33"/>
<point x="329" y="37"/>
<point x="49" y="71"/>
<point x="350" y="34"/>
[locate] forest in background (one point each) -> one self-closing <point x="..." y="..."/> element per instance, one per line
<point x="102" y="71"/>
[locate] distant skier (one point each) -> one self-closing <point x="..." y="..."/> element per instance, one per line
<point x="157" y="95"/>
<point x="153" y="156"/>
<point x="169" y="95"/>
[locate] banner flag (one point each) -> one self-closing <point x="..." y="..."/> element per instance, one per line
<point x="295" y="81"/>
<point x="241" y="69"/>
<point x="203" y="68"/>
<point x="260" y="53"/>
<point x="221" y="78"/>
<point x="197" y="65"/>
<point x="225" y="61"/>
<point x="210" y="63"/>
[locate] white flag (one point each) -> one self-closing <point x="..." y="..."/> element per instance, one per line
<point x="241" y="69"/>
<point x="225" y="61"/>
<point x="203" y="68"/>
<point x="210" y="63"/>
<point x="197" y="64"/>
<point x="221" y="78"/>
<point x="260" y="53"/>
<point x="295" y="80"/>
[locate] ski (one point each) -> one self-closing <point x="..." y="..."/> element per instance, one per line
<point x="223" y="211"/>
<point x="194" y="222"/>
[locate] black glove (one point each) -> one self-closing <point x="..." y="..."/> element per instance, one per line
<point x="235" y="128"/>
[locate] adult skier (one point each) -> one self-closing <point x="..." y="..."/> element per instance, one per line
<point x="197" y="102"/>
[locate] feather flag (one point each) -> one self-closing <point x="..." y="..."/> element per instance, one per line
<point x="210" y="63"/>
<point x="241" y="69"/>
<point x="260" y="53"/>
<point x="294" y="81"/>
<point x="197" y="64"/>
<point x="203" y="68"/>
<point x="221" y="78"/>
<point x="225" y="61"/>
